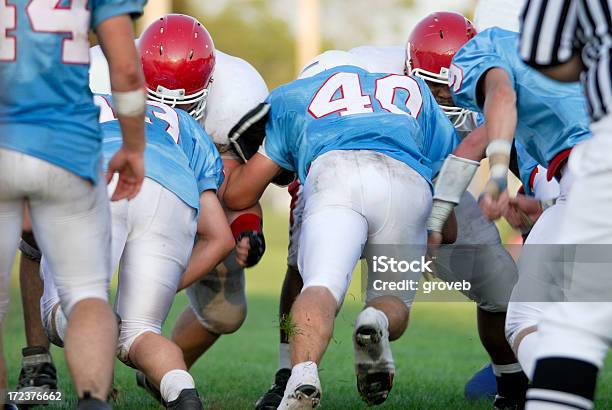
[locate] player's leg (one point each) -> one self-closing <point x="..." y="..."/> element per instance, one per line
<point x="71" y="221"/>
<point x="540" y="268"/>
<point x="38" y="372"/>
<point x="333" y="235"/>
<point x="575" y="337"/>
<point x="390" y="188"/>
<point x="155" y="256"/>
<point x="217" y="306"/>
<point x="479" y="257"/>
<point x="11" y="215"/>
<point x="292" y="286"/>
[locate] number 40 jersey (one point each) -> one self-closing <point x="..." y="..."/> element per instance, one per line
<point x="348" y="108"/>
<point x="46" y="108"/>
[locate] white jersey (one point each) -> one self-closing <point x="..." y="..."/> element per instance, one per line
<point x="499" y="13"/>
<point x="236" y="89"/>
<point x="391" y="59"/>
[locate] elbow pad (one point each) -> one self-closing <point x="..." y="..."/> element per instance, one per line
<point x="454" y="178"/>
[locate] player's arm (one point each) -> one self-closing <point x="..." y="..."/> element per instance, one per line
<point x="214" y="240"/>
<point x="501" y="117"/>
<point x="247" y="183"/>
<point x="246" y="226"/>
<point x="116" y="38"/>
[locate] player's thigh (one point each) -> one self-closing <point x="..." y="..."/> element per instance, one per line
<point x="331" y="242"/>
<point x="155" y="256"/>
<point x="397" y="202"/>
<point x="71" y="222"/>
<point x="11" y="216"/>
<point x="579" y="330"/>
<point x="479" y="258"/>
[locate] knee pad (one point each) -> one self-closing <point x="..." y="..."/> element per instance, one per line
<point x="219" y="301"/>
<point x="54" y="324"/>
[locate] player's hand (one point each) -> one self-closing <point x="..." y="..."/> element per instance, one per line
<point x="434" y="240"/>
<point x="523" y="212"/>
<point x="130" y="167"/>
<point x="493" y="208"/>
<point x="242" y="251"/>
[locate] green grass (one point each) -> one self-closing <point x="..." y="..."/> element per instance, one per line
<point x="439" y="352"/>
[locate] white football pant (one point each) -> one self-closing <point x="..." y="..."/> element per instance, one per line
<point x="583" y="330"/>
<point x="355" y="200"/>
<point x="70" y="219"/>
<point x="153" y="237"/>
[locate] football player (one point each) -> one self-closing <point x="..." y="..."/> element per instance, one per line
<point x="49" y="152"/>
<point x="152" y="240"/>
<point x="356" y="140"/>
<point x="548" y="119"/>
<point x="430" y="48"/>
<point x="217" y="92"/>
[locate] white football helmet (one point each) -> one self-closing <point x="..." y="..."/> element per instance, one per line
<point x="331" y="59"/>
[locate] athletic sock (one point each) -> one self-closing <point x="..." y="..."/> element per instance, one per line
<point x="305" y="372"/>
<point x="511" y="381"/>
<point x="173" y="383"/>
<point x="527" y="351"/>
<point x="564" y="383"/>
<point x="284" y="356"/>
<point x="382" y="319"/>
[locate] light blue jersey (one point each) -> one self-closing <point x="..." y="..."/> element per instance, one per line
<point x="348" y="108"/>
<point x="178" y="155"/>
<point x="46" y="108"/>
<point x="552" y="116"/>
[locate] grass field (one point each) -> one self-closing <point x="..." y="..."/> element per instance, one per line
<point x="439" y="352"/>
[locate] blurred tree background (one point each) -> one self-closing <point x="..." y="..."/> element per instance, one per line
<point x="264" y="32"/>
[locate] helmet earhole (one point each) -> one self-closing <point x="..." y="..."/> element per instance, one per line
<point x="161" y="50"/>
<point x="441" y="34"/>
<point x="191" y="54"/>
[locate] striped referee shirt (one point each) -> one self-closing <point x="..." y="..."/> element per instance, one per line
<point x="553" y="31"/>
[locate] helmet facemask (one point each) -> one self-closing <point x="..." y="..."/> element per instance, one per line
<point x="457" y="116"/>
<point x="177" y="97"/>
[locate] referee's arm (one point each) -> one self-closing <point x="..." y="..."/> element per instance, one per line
<point x="548" y="39"/>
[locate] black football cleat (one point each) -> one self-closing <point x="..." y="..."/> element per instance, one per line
<point x="90" y="403"/>
<point x="271" y="399"/>
<point x="38" y="373"/>
<point x="189" y="399"/>
<point x="504" y="403"/>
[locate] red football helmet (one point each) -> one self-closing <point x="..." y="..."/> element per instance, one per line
<point x="178" y="60"/>
<point x="432" y="44"/>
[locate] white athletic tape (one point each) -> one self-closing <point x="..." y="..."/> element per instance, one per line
<point x="499" y="146"/>
<point x="454" y="178"/>
<point x="440" y="211"/>
<point x="130" y="103"/>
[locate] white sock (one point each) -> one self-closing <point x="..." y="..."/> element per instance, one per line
<point x="174" y="382"/>
<point x="284" y="356"/>
<point x="498" y="369"/>
<point x="527" y="352"/>
<point x="304" y="373"/>
<point x="380" y="316"/>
